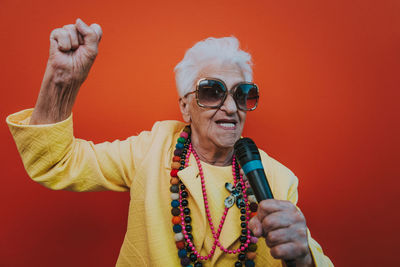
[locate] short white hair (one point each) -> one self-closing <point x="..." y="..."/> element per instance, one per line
<point x="209" y="51"/>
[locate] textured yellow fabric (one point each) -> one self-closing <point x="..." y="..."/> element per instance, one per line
<point x="53" y="157"/>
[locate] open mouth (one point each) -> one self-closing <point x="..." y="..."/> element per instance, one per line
<point x="227" y="124"/>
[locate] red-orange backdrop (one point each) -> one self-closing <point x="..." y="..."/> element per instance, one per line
<point x="329" y="76"/>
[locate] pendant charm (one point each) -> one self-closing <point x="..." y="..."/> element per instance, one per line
<point x="236" y="195"/>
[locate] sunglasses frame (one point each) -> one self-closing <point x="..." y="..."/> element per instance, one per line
<point x="232" y="91"/>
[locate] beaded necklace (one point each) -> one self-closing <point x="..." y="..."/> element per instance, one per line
<point x="241" y="195"/>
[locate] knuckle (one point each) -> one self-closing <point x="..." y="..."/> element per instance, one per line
<point x="301" y="232"/>
<point x="277" y="252"/>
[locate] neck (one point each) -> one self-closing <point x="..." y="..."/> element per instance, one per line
<point x="212" y="154"/>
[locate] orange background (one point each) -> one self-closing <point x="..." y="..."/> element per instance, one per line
<point x="329" y="76"/>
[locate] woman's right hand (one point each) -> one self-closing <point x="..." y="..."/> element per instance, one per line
<point x="73" y="49"/>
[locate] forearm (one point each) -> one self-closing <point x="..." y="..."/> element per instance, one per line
<point x="56" y="97"/>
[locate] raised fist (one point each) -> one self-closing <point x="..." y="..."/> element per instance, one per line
<point x="73" y="49"/>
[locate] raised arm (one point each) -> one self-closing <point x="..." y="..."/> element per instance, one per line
<point x="73" y="49"/>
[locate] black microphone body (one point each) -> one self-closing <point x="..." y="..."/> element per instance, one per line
<point x="249" y="158"/>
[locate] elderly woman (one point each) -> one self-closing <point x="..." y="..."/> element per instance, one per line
<point x="178" y="174"/>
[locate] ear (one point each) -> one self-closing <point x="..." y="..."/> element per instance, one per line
<point x="184" y="106"/>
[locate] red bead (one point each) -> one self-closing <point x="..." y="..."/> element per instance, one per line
<point x="253" y="214"/>
<point x="176" y="159"/>
<point x="174" y="173"/>
<point x="180" y="244"/>
<point x="176" y="219"/>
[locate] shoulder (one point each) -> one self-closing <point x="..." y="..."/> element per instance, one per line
<point x="281" y="179"/>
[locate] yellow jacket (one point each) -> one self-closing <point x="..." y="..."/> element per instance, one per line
<point x="53" y="157"/>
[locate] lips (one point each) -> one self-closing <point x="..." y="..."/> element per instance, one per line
<point x="227" y="124"/>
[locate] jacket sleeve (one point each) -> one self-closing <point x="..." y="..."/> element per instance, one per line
<point x="53" y="157"/>
<point x="320" y="260"/>
<point x="284" y="186"/>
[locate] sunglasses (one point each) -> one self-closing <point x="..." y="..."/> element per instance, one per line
<point x="212" y="92"/>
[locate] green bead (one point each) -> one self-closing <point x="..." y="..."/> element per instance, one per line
<point x="252" y="247"/>
<point x="181" y="140"/>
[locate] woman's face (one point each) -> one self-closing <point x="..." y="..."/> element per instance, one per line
<point x="220" y="127"/>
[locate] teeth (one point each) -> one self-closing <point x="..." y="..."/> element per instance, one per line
<point x="227" y="124"/>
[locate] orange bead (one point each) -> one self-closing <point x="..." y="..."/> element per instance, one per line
<point x="176" y="220"/>
<point x="251" y="255"/>
<point x="175" y="165"/>
<point x="176" y="159"/>
<point x="253" y="214"/>
<point x="174" y="180"/>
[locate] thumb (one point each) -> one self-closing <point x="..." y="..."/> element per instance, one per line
<point x="90" y="34"/>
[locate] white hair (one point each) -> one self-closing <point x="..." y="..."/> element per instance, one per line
<point x="210" y="51"/>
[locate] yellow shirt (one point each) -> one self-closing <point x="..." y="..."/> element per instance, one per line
<point x="53" y="157"/>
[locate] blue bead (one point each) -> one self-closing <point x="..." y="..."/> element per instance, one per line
<point x="177" y="228"/>
<point x="175" y="203"/>
<point x="249" y="263"/>
<point x="179" y="145"/>
<point x="182" y="253"/>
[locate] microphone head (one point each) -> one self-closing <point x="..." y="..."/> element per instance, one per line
<point x="246" y="150"/>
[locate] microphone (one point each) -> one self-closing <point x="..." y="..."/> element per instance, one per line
<point x="249" y="158"/>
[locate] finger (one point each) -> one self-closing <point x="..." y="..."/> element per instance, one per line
<point x="269" y="206"/>
<point x="73" y="34"/>
<point x="288" y="251"/>
<point x="80" y="39"/>
<point x="62" y="38"/>
<point x="279" y="236"/>
<point x="256" y="227"/>
<point x="97" y="29"/>
<point x="89" y="35"/>
<point x="276" y="220"/>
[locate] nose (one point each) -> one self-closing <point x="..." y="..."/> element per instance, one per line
<point x="229" y="105"/>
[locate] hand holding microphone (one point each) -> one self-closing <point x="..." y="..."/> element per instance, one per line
<point x="281" y="224"/>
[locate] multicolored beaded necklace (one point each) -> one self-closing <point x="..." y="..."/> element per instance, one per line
<point x="241" y="195"/>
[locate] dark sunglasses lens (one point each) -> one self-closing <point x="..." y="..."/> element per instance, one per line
<point x="211" y="93"/>
<point x="246" y="96"/>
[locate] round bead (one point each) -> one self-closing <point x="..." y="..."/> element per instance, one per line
<point x="174" y="188"/>
<point x="189" y="249"/>
<point x="190" y="236"/>
<point x="242" y="218"/>
<point x="185" y="194"/>
<point x="174" y="203"/>
<point x="176" y="159"/>
<point x="184" y="202"/>
<point x="180" y="244"/>
<point x="174" y="196"/>
<point x="181" y="140"/>
<point x="242" y="256"/>
<point x="186" y="129"/>
<point x="182" y="253"/>
<point x="249" y="263"/>
<point x="198" y="264"/>
<point x="174" y="173"/>
<point x="253" y="239"/>
<point x="185" y="261"/>
<point x="179" y="145"/>
<point x="188" y="228"/>
<point x="188" y="219"/>
<point x="252" y="198"/>
<point x="251" y="255"/>
<point x="176" y="219"/>
<point x="177" y="228"/>
<point x="252" y="247"/>
<point x="175" y="211"/>
<point x="243" y="211"/>
<point x="244" y="231"/>
<point x="177" y="152"/>
<point x="183" y="187"/>
<point x="243" y="225"/>
<point x="249" y="191"/>
<point x="193" y="257"/>
<point x="174" y="180"/>
<point x="178" y="237"/>
<point x="175" y="165"/>
<point x="238" y="264"/>
<point x="253" y="207"/>
<point x="184" y="135"/>
<point x="186" y="211"/>
<point x="243" y="239"/>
